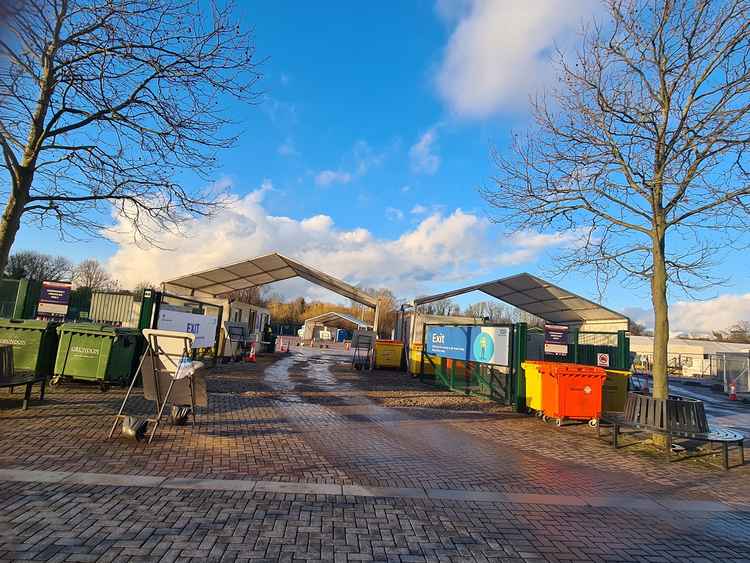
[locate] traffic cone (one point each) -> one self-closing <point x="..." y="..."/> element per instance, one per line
<point x="251" y="355"/>
<point x="732" y="391"/>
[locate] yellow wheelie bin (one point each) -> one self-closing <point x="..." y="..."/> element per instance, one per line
<point x="533" y="389"/>
<point x="615" y="390"/>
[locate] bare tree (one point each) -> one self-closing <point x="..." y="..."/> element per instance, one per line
<point x="443" y="307"/>
<point x="91" y="274"/>
<point x="108" y="104"/>
<point x="642" y="148"/>
<point x="37" y="266"/>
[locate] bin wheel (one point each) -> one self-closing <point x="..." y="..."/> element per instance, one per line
<point x="104" y="387"/>
<point x="544" y="418"/>
<point x="55" y="381"/>
<point x="558" y="422"/>
<point x="594" y="423"/>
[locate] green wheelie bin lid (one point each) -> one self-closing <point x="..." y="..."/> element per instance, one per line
<point x="95" y="352"/>
<point x="34" y="344"/>
<point x="95" y="328"/>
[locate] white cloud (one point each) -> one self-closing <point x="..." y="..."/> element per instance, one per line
<point x="441" y="248"/>
<point x="405" y="189"/>
<point x="699" y="317"/>
<point x="499" y="51"/>
<point x="361" y="159"/>
<point x="418" y="210"/>
<point x="422" y="155"/>
<point x="287" y="148"/>
<point x="327" y="177"/>
<point x="394" y="214"/>
<point x="365" y="157"/>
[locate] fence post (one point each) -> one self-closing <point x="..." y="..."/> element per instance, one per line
<point x="623" y="350"/>
<point x="574" y="334"/>
<point x="519" y="356"/>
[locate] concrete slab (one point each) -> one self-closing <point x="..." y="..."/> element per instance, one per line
<point x="535" y="498"/>
<point x="114" y="480"/>
<point x="397" y="492"/>
<point x="210" y="484"/>
<point x="461" y="495"/>
<point x="32" y="476"/>
<point x="693" y="505"/>
<point x="297" y="488"/>
<point x="632" y="503"/>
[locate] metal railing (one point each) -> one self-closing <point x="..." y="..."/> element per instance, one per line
<point x="471" y="378"/>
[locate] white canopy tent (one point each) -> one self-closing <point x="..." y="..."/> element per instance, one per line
<point x="542" y="299"/>
<point x="333" y="319"/>
<point x="259" y="271"/>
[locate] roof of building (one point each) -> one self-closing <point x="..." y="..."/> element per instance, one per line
<point x="538" y="297"/>
<point x="259" y="271"/>
<point x="335" y="318"/>
<point x="645" y="343"/>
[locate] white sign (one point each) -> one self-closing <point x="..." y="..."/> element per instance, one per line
<point x="498" y="355"/>
<point x="602" y="360"/>
<point x="202" y="326"/>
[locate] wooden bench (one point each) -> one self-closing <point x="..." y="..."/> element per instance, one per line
<point x="8" y="377"/>
<point x="674" y="417"/>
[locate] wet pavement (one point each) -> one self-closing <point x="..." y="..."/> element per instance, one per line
<point x="303" y="458"/>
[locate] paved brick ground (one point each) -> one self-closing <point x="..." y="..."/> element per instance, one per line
<point x="311" y="419"/>
<point x="82" y="523"/>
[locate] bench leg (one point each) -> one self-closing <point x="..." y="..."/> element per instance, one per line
<point x="725" y="455"/>
<point x="615" y="432"/>
<point x="669" y="448"/>
<point x="27" y="396"/>
<point x="41" y="393"/>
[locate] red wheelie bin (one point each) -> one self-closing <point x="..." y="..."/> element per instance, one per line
<point x="572" y="392"/>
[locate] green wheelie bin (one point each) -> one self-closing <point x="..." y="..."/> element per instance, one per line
<point x="95" y="352"/>
<point x="34" y="344"/>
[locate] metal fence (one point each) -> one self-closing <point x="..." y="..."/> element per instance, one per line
<point x="724" y="366"/>
<point x="471" y="378"/>
<point x="585" y="348"/>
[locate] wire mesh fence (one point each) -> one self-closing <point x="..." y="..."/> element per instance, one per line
<point x="724" y="366"/>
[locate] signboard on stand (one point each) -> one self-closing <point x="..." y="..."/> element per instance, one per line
<point x="54" y="300"/>
<point x="202" y="326"/>
<point x="470" y="343"/>
<point x="556" y="340"/>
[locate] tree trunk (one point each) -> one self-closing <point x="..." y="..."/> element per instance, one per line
<point x="661" y="319"/>
<point x="10" y="222"/>
<point x="661" y="326"/>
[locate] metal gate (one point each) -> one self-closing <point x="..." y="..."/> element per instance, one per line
<point x="470" y="359"/>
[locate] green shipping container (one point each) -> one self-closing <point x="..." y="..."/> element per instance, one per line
<point x="34" y="344"/>
<point x="95" y="352"/>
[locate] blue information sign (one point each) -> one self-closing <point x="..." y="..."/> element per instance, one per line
<point x="483" y="344"/>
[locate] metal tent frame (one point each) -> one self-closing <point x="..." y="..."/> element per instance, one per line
<point x="538" y="297"/>
<point x="264" y="270"/>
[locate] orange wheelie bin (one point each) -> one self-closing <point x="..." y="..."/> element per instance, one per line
<point x="572" y="392"/>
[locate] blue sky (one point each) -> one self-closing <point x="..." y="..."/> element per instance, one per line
<point x="375" y="128"/>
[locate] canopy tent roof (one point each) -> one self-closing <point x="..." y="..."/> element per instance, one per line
<point x="261" y="271"/>
<point x="338" y="320"/>
<point x="538" y="297"/>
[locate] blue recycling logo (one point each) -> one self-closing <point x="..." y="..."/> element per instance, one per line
<point x="483" y="348"/>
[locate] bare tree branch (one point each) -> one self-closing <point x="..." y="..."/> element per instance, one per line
<point x="104" y="104"/>
<point x="642" y="149"/>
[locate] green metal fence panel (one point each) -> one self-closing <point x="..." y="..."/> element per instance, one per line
<point x="584" y="348"/>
